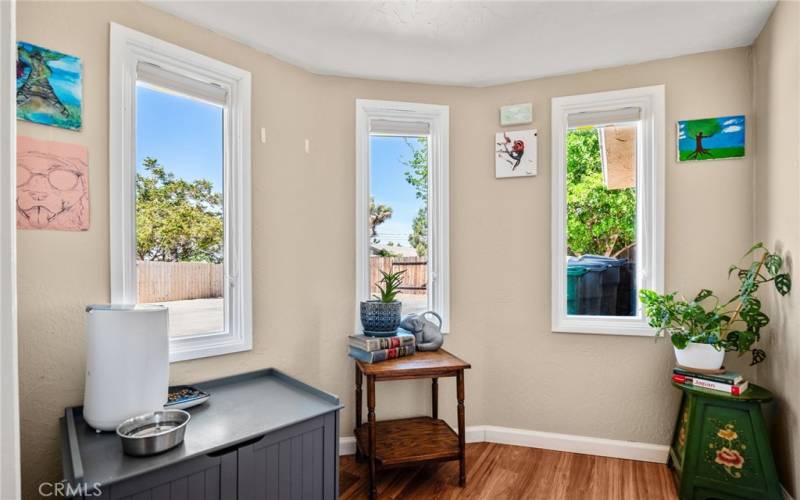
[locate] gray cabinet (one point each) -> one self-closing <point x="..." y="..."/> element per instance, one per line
<point x="262" y="435"/>
<point x="202" y="478"/>
<point x="296" y="463"/>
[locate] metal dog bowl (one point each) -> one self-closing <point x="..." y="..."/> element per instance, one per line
<point x="153" y="433"/>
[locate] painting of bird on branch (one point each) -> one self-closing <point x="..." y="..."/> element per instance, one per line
<point x="515" y="154"/>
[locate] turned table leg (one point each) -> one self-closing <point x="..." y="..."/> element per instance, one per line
<point x="359" y="379"/>
<point x="373" y="491"/>
<point x="435" y="397"/>
<point x="462" y="469"/>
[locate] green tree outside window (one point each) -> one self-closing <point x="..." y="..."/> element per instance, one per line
<point x="600" y="221"/>
<point x="177" y="220"/>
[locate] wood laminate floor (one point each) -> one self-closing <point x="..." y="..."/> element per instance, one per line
<point x="496" y="471"/>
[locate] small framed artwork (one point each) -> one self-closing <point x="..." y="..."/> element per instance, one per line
<point x="52" y="185"/>
<point x="515" y="154"/>
<point x="516" y="114"/>
<point x="711" y="138"/>
<point x="49" y="87"/>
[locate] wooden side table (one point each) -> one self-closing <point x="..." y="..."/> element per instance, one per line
<point x="410" y="441"/>
<point x="720" y="448"/>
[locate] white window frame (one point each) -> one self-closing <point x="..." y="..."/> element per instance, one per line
<point x="438" y="119"/>
<point x="128" y="49"/>
<point x="649" y="213"/>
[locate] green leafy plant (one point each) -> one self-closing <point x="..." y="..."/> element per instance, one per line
<point x="734" y="325"/>
<point x="389" y="285"/>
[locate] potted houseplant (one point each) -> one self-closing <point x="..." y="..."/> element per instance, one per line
<point x="704" y="328"/>
<point x="381" y="316"/>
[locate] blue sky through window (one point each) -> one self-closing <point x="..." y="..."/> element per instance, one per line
<point x="389" y="187"/>
<point x="183" y="134"/>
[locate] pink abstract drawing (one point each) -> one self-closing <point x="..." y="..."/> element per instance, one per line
<point x="52" y="185"/>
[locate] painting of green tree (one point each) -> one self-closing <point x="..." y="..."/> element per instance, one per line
<point x="711" y="138"/>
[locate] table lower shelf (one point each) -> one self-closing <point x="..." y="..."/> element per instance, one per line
<point x="409" y="441"/>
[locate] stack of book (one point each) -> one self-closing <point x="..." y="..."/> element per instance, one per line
<point x="375" y="349"/>
<point x="728" y="382"/>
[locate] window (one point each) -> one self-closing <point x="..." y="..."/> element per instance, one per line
<point x="608" y="209"/>
<point x="180" y="200"/>
<point x="398" y="215"/>
<point x="402" y="202"/>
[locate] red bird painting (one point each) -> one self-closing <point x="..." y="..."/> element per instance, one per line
<point x="513" y="155"/>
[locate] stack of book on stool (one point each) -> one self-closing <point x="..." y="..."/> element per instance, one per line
<point x="375" y="349"/>
<point x="727" y="381"/>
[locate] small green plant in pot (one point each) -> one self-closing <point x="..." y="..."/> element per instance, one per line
<point x="381" y="316"/>
<point x="704" y="328"/>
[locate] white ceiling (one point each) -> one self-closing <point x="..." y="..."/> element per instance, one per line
<point x="476" y="43"/>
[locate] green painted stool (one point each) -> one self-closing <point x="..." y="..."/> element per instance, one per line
<point x="720" y="449"/>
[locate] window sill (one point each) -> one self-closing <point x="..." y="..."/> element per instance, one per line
<point x="189" y="348"/>
<point x="600" y="325"/>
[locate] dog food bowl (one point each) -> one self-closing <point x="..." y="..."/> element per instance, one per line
<point x="153" y="433"/>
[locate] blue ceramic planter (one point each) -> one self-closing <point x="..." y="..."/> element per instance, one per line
<point x="380" y="317"/>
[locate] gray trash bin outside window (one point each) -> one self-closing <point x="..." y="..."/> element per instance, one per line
<point x="597" y="291"/>
<point x="626" y="293"/>
<point x="590" y="286"/>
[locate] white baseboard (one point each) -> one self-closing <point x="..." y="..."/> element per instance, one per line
<point x="644" y="452"/>
<point x="347" y="445"/>
<point x="586" y="445"/>
<point x="475" y="434"/>
<point x="786" y="494"/>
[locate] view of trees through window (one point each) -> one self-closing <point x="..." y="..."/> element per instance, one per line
<point x="176" y="220"/>
<point x="601" y="221"/>
<point x="179" y="209"/>
<point x="398" y="215"/>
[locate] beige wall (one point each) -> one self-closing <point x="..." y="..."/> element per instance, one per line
<point x="523" y="375"/>
<point x="776" y="89"/>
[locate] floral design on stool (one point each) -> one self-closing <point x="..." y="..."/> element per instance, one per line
<point x="729" y="454"/>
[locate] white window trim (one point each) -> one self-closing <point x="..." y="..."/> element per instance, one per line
<point x="649" y="216"/>
<point x="128" y="48"/>
<point x="438" y="119"/>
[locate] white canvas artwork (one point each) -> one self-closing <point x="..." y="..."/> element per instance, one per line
<point x="516" y="114"/>
<point x="515" y="154"/>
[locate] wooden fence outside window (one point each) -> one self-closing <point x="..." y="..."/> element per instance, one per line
<point x="168" y="281"/>
<point x="415" y="278"/>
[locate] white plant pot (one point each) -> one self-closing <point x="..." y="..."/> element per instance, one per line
<point x="700" y="356"/>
